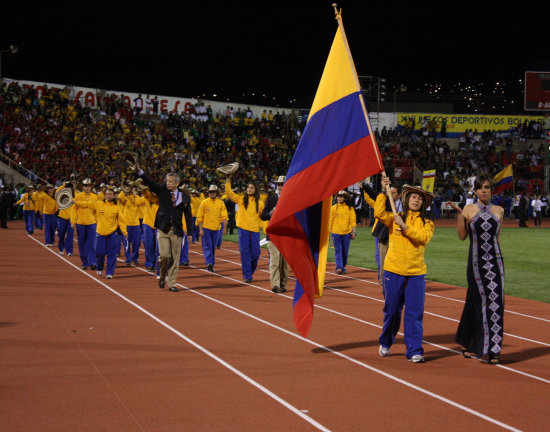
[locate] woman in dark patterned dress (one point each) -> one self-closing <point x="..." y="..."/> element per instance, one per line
<point x="480" y="329"/>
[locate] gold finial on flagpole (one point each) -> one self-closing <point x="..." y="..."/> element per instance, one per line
<point x="337" y="12"/>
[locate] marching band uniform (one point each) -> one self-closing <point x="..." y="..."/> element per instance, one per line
<point x="342" y="225"/>
<point x="195" y="204"/>
<point x="131" y="203"/>
<point x="149" y="231"/>
<point x="28" y="210"/>
<point x="65" y="232"/>
<point x="37" y="196"/>
<point x="49" y="210"/>
<point x="248" y="223"/>
<point x="109" y="219"/>
<point x="85" y="221"/>
<point x="212" y="213"/>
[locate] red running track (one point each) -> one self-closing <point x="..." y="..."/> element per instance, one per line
<point x="82" y="353"/>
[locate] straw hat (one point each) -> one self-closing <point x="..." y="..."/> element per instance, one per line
<point x="280" y="180"/>
<point x="343" y="193"/>
<point x="428" y="197"/>
<point x="86" y="181"/>
<point x="213" y="188"/>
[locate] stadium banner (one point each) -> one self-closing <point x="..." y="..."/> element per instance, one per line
<point x="94" y="97"/>
<point x="457" y="124"/>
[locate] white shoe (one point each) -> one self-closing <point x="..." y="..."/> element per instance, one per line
<point x="61" y="252"/>
<point x="109" y="276"/>
<point x="69" y="254"/>
<point x="383" y="351"/>
<point x="99" y="273"/>
<point x="417" y="358"/>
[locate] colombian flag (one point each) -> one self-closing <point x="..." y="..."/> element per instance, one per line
<point x="337" y="149"/>
<point x="504" y="180"/>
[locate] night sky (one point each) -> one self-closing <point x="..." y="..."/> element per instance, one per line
<point x="188" y="49"/>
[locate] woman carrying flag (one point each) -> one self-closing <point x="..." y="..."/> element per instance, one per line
<point x="405" y="269"/>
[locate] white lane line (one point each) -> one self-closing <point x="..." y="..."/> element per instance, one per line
<point x="382" y="301"/>
<point x="427" y="294"/>
<point x="237" y="372"/>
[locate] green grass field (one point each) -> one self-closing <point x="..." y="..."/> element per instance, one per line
<point x="526" y="255"/>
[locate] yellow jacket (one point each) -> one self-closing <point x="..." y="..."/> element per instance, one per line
<point x="85" y="215"/>
<point x="150" y="208"/>
<point x="405" y="254"/>
<point x="49" y="205"/>
<point x="131" y="206"/>
<point x="195" y="204"/>
<point x="247" y="219"/>
<point x="342" y="219"/>
<point x="109" y="216"/>
<point x="211" y="213"/>
<point x="27" y="201"/>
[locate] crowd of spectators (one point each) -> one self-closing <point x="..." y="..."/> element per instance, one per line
<point x="56" y="140"/>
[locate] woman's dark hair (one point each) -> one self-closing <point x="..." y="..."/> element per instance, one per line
<point x="256" y="196"/>
<point x="405" y="203"/>
<point x="482" y="178"/>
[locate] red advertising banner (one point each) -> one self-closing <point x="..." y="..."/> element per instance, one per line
<point x="537" y="91"/>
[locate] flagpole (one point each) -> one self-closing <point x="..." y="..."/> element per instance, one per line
<point x="338" y="17"/>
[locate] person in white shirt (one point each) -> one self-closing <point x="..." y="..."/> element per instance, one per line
<point x="536" y="203"/>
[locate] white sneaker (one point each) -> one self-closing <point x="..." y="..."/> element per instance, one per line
<point x="69" y="254"/>
<point x="99" y="272"/>
<point x="383" y="351"/>
<point x="61" y="252"/>
<point x="109" y="276"/>
<point x="417" y="358"/>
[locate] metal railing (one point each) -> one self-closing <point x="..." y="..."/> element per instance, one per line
<point x="20" y="169"/>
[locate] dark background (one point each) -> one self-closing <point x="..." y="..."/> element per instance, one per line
<point x="276" y="49"/>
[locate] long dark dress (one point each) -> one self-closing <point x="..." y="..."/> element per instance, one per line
<point x="481" y="325"/>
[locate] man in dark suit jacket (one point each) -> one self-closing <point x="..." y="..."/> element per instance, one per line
<point x="174" y="205"/>
<point x="278" y="267"/>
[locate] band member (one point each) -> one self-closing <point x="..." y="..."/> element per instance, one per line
<point x="149" y="231"/>
<point x="65" y="232"/>
<point x="212" y="213"/>
<point x="173" y="204"/>
<point x="405" y="269"/>
<point x="49" y="210"/>
<point x="28" y="208"/>
<point x="130" y="204"/>
<point x="342" y="225"/>
<point x="195" y="204"/>
<point x="109" y="220"/>
<point x="278" y="267"/>
<point x="36" y="196"/>
<point x="85" y="223"/>
<point x="248" y="224"/>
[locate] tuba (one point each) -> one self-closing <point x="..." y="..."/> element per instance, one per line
<point x="131" y="159"/>
<point x="64" y="198"/>
<point x="229" y="168"/>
